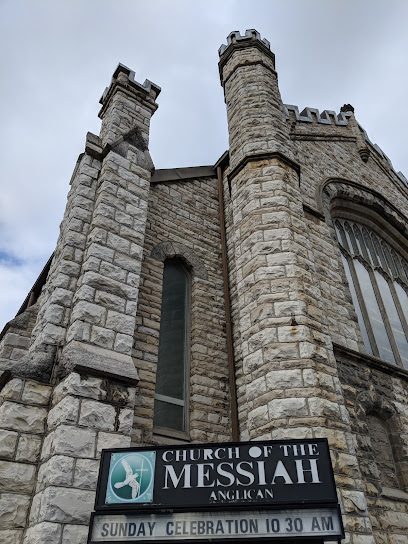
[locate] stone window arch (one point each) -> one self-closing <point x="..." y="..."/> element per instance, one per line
<point x="371" y="235"/>
<point x="384" y="467"/>
<point x="183" y="271"/>
<point x="380" y="438"/>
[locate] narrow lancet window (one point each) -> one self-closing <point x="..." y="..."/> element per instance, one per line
<point x="170" y="395"/>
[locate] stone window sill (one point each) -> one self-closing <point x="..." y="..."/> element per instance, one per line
<point x="172" y="433"/>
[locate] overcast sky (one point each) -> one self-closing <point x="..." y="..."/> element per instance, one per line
<point x="57" y="56"/>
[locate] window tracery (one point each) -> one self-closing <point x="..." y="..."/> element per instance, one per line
<point x="378" y="278"/>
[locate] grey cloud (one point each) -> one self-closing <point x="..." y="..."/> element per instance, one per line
<point x="57" y="57"/>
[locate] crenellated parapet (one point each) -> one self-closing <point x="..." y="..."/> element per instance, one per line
<point x="244" y="51"/>
<point x="325" y="117"/>
<point x="253" y="110"/>
<point x="344" y="118"/>
<point x="235" y="38"/>
<point x="127" y="104"/>
<point x="148" y="87"/>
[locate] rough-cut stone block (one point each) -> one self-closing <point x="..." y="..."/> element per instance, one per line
<point x="120" y="322"/>
<point x="123" y="343"/>
<point x="90" y="313"/>
<point x="17" y="477"/>
<point x="69" y="440"/>
<point x="58" y="470"/>
<point x="63" y="504"/>
<point x="294" y="407"/>
<point x="292" y="432"/>
<point x="111" y="440"/>
<point x="44" y="533"/>
<point x="13" y="510"/>
<point x="283" y="379"/>
<point x="258" y="417"/>
<point x="18" y="341"/>
<point x="255" y="388"/>
<point x="35" y="509"/>
<point x="65" y="411"/>
<point x="97" y="415"/>
<point x="323" y="407"/>
<point x="28" y="449"/>
<point x="86" y="473"/>
<point x="12" y="390"/>
<point x="126" y="420"/>
<point x="36" y="393"/>
<point x="8" y="440"/>
<point x="280" y="351"/>
<point x="102" y="337"/>
<point x="354" y="502"/>
<point x="74" y="384"/>
<point x="75" y="534"/>
<point x="22" y="418"/>
<point x="11" y="536"/>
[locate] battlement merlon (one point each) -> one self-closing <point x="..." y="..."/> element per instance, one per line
<point x="342" y="119"/>
<point x="127" y="104"/>
<point x="236" y="42"/>
<point x="148" y="86"/>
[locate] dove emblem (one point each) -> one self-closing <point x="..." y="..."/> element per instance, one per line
<point x="131" y="479"/>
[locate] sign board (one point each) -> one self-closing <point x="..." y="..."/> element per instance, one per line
<point x="217" y="525"/>
<point x="217" y="476"/>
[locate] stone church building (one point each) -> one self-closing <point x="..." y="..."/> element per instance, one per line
<point x="262" y="297"/>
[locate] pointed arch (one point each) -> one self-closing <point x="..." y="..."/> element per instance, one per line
<point x="173" y="250"/>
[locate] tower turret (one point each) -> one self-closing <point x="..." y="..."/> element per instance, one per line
<point x="291" y="384"/>
<point x="256" y="117"/>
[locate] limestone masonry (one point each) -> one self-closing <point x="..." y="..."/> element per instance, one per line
<point x="282" y="272"/>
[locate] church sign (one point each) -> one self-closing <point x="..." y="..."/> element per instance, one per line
<point x="245" y="490"/>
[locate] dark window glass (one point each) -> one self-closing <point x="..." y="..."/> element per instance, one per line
<point x="358" y="240"/>
<point x="374" y="313"/>
<point x="369" y="248"/>
<point x="393" y="317"/>
<point x="357" y="307"/>
<point x="169" y="410"/>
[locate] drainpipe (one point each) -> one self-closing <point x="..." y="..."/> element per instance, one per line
<point x="228" y="327"/>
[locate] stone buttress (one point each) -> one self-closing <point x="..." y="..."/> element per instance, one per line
<point x="72" y="394"/>
<point x="291" y="385"/>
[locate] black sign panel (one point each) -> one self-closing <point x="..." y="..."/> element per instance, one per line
<point x="210" y="476"/>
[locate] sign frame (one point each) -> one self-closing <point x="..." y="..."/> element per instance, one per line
<point x="100" y="499"/>
<point x="293" y="537"/>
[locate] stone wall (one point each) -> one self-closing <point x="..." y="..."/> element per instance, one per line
<point x="16" y="337"/>
<point x="87" y="414"/>
<point x="374" y="390"/>
<point x="183" y="223"/>
<point x="24" y="407"/>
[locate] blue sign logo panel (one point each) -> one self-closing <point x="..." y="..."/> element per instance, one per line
<point x="131" y="477"/>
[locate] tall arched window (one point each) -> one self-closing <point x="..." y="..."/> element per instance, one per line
<point x="170" y="395"/>
<point x="378" y="278"/>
